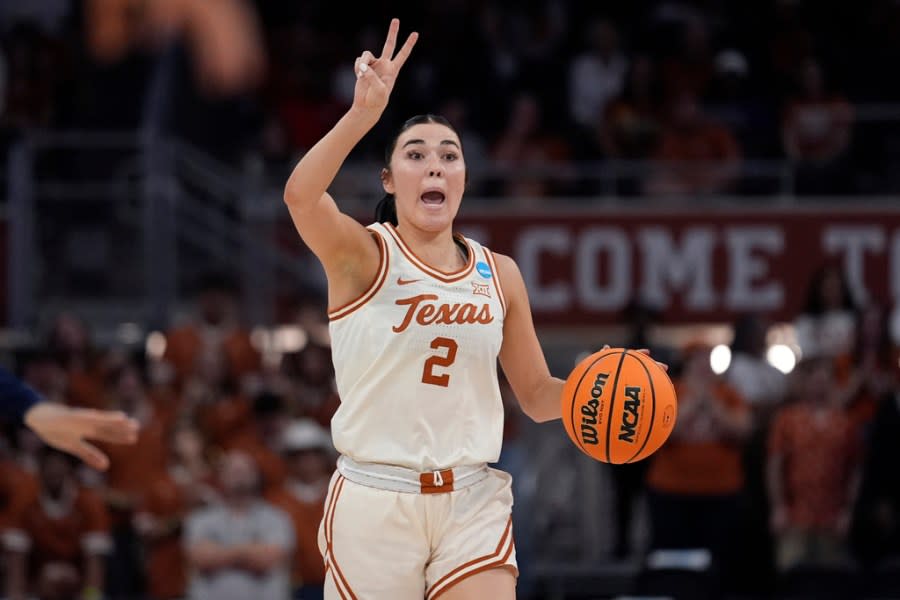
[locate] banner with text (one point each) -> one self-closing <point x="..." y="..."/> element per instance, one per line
<point x="584" y="268"/>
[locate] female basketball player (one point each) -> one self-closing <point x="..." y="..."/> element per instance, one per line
<point x="418" y="317"/>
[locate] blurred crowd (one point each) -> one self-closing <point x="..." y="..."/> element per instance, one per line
<point x="227" y="479"/>
<point x="779" y="470"/>
<point x="678" y="84"/>
<point x="223" y="493"/>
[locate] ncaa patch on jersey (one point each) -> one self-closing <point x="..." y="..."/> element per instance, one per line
<point x="484" y="270"/>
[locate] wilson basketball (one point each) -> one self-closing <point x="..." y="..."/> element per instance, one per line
<point x="618" y="406"/>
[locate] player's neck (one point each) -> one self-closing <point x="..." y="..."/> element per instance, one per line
<point x="438" y="249"/>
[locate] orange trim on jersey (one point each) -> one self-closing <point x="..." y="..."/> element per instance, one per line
<point x="383" y="268"/>
<point x="490" y="561"/>
<point x="337" y="574"/>
<point x="446" y="277"/>
<point x="496" y="278"/>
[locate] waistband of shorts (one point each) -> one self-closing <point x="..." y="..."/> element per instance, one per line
<point x="401" y="479"/>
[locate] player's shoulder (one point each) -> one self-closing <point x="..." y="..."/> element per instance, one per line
<point x="506" y="266"/>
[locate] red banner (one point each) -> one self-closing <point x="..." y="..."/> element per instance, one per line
<point x="703" y="265"/>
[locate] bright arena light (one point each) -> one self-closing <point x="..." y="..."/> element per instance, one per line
<point x="781" y="357"/>
<point x="720" y="358"/>
<point x="290" y="338"/>
<point x="156" y="345"/>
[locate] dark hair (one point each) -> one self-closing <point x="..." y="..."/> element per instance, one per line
<point x="749" y="335"/>
<point x="814" y="304"/>
<point x="217" y="281"/>
<point x="386" y="210"/>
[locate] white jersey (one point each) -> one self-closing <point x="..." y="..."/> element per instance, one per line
<point x="415" y="360"/>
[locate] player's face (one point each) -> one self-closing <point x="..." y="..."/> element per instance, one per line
<point x="427" y="176"/>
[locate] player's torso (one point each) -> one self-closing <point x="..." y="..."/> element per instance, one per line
<point x="415" y="362"/>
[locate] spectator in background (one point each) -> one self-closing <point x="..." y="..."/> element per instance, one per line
<point x="876" y="530"/>
<point x="310" y="459"/>
<point x="214" y="350"/>
<point x="41" y="371"/>
<point x="812" y="469"/>
<point x="224" y="40"/>
<point x="696" y="155"/>
<point x="869" y="367"/>
<point x="760" y="384"/>
<point x="66" y="535"/>
<point x="523" y="144"/>
<point x="189" y="466"/>
<point x="133" y="472"/>
<point x="18" y="490"/>
<point x="242" y="548"/>
<point x="133" y="467"/>
<point x="631" y="125"/>
<point x="763" y="387"/>
<point x="596" y="76"/>
<point x="69" y="341"/>
<point x="253" y="426"/>
<point x="695" y="479"/>
<point x="816" y="130"/>
<point x="456" y="111"/>
<point x="34" y="66"/>
<point x="688" y="69"/>
<point x="516" y="459"/>
<point x="186" y="485"/>
<point x="827" y="325"/>
<point x="313" y="392"/>
<point x="738" y="105"/>
<point x="628" y="479"/>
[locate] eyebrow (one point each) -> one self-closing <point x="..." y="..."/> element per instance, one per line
<point x="443" y="142"/>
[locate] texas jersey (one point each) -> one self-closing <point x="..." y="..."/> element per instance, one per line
<point x="415" y="361"/>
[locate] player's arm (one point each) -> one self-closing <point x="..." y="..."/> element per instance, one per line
<point x="208" y="556"/>
<point x="62" y="427"/>
<point x="521" y="356"/>
<point x="345" y="248"/>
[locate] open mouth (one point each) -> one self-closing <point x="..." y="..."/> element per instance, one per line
<point x="433" y="197"/>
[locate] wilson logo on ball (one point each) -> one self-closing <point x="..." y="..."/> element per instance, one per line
<point x="630" y="414"/>
<point x="589" y="411"/>
<point x="626" y="420"/>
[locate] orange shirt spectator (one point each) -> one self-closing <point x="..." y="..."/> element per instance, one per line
<point x="69" y="341"/>
<point x="819" y="451"/>
<point x="308" y="567"/>
<point x="213" y="347"/>
<point x="817" y="126"/>
<point x="192" y="348"/>
<point x="309" y="456"/>
<point x="695" y="479"/>
<point x="159" y="521"/>
<point x="67" y="528"/>
<point x="18" y="490"/>
<point x="132" y="468"/>
<point x="702" y="457"/>
<point x="238" y="423"/>
<point x="66" y="525"/>
<point x="695" y="154"/>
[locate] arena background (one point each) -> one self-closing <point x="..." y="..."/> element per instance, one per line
<point x="666" y="174"/>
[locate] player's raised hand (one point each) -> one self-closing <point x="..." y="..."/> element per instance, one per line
<point x="375" y="76"/>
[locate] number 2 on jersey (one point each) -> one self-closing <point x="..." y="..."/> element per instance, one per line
<point x="428" y="375"/>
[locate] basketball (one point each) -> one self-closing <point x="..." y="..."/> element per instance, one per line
<point x="618" y="406"/>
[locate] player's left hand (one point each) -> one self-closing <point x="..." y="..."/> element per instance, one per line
<point x="67" y="429"/>
<point x="662" y="366"/>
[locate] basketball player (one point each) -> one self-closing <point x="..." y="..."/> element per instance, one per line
<point x="62" y="427"/>
<point x="418" y="317"/>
